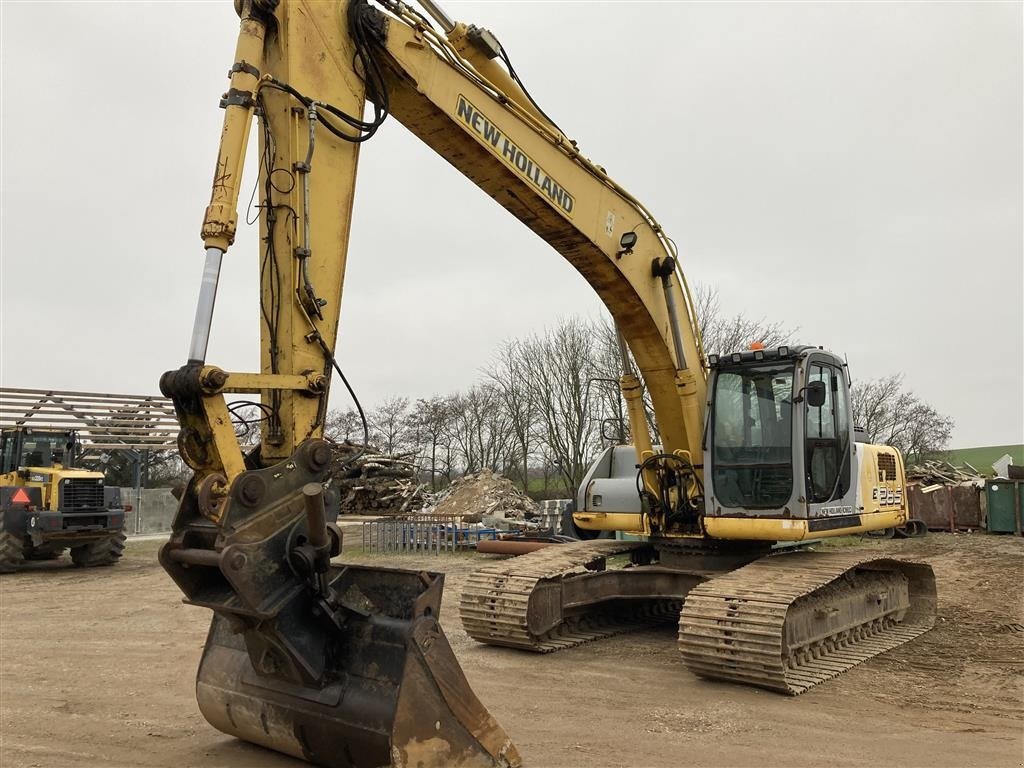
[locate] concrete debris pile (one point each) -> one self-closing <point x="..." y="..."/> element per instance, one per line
<point x="375" y="483"/>
<point x="946" y="497"/>
<point x="485" y="496"/>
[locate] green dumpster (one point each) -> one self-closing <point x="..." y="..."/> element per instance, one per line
<point x="1005" y="505"/>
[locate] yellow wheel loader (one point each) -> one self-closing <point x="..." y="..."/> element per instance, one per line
<point x="48" y="506"/>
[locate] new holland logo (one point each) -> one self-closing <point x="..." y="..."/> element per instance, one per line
<point x="489" y="133"/>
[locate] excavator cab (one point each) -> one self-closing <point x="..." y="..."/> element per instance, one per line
<point x="779" y="446"/>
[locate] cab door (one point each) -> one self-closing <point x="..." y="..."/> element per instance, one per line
<point x="828" y="448"/>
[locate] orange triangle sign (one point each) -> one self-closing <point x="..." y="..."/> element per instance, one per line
<point x="20" y="497"/>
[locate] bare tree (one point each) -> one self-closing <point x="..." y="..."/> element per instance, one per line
<point x="344" y="426"/>
<point x="895" y="416"/>
<point x="432" y="422"/>
<point x="603" y="390"/>
<point x="151" y="469"/>
<point x="608" y="365"/>
<point x="480" y="428"/>
<point x="511" y="375"/>
<point x="389" y="425"/>
<point x="543" y="398"/>
<point x="722" y="335"/>
<point x="561" y="365"/>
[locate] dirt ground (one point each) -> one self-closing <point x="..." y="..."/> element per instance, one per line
<point x="98" y="667"/>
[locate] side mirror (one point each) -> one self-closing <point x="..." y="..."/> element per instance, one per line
<point x="815" y="394"/>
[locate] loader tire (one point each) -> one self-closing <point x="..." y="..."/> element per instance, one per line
<point x="103" y="552"/>
<point x="12" y="552"/>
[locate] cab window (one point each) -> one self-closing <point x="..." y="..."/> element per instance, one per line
<point x="827" y="437"/>
<point x="7" y="453"/>
<point x="751" y="456"/>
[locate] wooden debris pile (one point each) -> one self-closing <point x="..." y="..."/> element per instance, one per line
<point x="375" y="483"/>
<point x="932" y="474"/>
<point x="485" y="494"/>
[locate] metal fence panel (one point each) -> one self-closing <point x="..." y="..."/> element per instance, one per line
<point x="432" y="534"/>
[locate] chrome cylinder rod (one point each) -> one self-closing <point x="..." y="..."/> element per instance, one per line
<point x="204" y="308"/>
<point x="673" y="320"/>
<point x="437" y="14"/>
<point x="627" y="368"/>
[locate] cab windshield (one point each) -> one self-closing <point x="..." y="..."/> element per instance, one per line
<point x="43" y="450"/>
<point x="752" y="437"/>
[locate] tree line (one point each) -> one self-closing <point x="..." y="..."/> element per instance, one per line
<point x="546" y="403"/>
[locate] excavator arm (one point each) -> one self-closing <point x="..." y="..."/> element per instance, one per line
<point x="294" y="67"/>
<point x="340" y="665"/>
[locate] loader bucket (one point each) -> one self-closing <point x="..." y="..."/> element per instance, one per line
<point x="393" y="693"/>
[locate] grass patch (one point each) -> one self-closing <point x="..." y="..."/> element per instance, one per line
<point x="979" y="458"/>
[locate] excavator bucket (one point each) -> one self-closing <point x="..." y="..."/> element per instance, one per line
<point x="343" y="666"/>
<point x="397" y="695"/>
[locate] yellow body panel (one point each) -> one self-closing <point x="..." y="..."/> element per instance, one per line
<point x="53" y="476"/>
<point x="745" y="528"/>
<point x="778" y="529"/>
<point x="611" y="521"/>
<point x="882" y="484"/>
<point x="881" y="503"/>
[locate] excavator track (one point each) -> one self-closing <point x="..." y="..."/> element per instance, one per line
<point x="792" y="621"/>
<point x="496" y="602"/>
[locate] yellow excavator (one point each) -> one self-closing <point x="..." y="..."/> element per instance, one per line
<point x="344" y="665"/>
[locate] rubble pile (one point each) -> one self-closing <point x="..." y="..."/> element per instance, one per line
<point x="484" y="494"/>
<point x="375" y="483"/>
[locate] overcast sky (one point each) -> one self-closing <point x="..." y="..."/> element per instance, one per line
<point x="854" y="170"/>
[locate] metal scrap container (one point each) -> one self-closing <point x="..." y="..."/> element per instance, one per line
<point x="1005" y="505"/>
<point x="933" y="507"/>
<point x="946" y="508"/>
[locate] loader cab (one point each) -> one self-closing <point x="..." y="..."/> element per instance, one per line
<point x="24" y="447"/>
<point x="778" y="441"/>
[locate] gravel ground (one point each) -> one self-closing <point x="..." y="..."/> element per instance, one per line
<point x="97" y="669"/>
